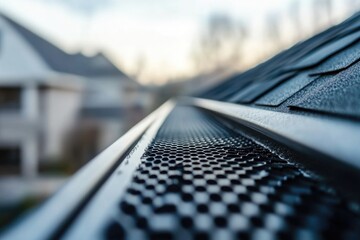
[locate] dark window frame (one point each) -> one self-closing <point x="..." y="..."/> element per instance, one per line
<point x="10" y="98"/>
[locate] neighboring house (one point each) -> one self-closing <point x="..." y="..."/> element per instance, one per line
<point x="31" y="104"/>
<point x="44" y="92"/>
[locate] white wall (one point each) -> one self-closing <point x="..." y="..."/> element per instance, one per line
<point x="109" y="91"/>
<point x="22" y="128"/>
<point x="60" y="109"/>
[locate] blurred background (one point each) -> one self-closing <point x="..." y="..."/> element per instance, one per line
<point x="75" y="75"/>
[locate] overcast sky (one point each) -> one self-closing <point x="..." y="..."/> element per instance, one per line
<point x="161" y="32"/>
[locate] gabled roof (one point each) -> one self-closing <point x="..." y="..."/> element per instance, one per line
<point x="61" y="61"/>
<point x="320" y="75"/>
<point x="18" y="60"/>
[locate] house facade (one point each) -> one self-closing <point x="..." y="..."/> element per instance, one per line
<point x="46" y="93"/>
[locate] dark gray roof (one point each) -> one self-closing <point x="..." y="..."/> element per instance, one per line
<point x="60" y="61"/>
<point x="319" y="76"/>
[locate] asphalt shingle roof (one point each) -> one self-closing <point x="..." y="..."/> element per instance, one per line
<point x="319" y="75"/>
<point x="59" y="60"/>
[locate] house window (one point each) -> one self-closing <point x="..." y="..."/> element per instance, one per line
<point x="10" y="98"/>
<point x="10" y="160"/>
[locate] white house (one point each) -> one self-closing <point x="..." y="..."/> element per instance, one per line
<point x="31" y="100"/>
<point x="44" y="92"/>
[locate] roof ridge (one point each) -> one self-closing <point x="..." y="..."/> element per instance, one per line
<point x="60" y="60"/>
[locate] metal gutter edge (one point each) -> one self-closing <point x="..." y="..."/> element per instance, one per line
<point x="337" y="139"/>
<point x="93" y="220"/>
<point x="43" y="222"/>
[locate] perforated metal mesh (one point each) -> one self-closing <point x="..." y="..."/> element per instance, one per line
<point x="200" y="180"/>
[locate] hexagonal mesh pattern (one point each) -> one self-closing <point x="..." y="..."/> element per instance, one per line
<point x="200" y="180"/>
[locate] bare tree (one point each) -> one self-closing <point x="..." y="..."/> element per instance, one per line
<point x="219" y="45"/>
<point x="295" y="18"/>
<point x="316" y="9"/>
<point x="140" y="66"/>
<point x="353" y="6"/>
<point x="322" y="14"/>
<point x="272" y="32"/>
<point x="328" y="5"/>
